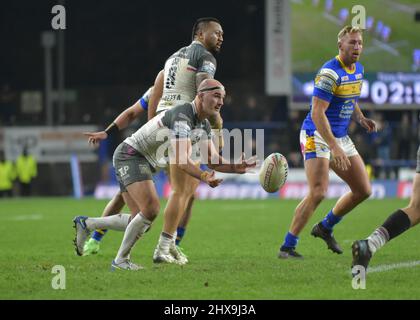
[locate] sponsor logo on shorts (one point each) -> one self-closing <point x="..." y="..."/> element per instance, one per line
<point x="123" y="170"/>
<point x="144" y="169"/>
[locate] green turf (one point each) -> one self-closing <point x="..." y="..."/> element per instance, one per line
<point x="232" y="246"/>
<point x="314" y="37"/>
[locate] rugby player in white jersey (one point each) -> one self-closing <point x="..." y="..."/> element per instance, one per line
<point x="183" y="72"/>
<point x="144" y="153"/>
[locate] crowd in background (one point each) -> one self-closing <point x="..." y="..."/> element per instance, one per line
<point x="392" y="147"/>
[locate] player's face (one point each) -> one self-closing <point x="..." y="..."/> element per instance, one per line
<point x="213" y="101"/>
<point x="213" y="37"/>
<point x="352" y="46"/>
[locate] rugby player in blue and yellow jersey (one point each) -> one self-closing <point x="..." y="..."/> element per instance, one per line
<point x="325" y="143"/>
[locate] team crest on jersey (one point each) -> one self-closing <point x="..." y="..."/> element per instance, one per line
<point x="359" y="76"/>
<point x="345" y="78"/>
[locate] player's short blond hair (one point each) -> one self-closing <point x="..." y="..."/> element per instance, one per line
<point x="346" y="30"/>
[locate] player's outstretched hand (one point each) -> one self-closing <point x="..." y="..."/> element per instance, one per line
<point x="95" y="137"/>
<point x="339" y="158"/>
<point x="369" y="124"/>
<point x="245" y="165"/>
<point x="211" y="180"/>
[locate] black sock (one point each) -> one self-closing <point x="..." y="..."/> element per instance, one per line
<point x="397" y="223"/>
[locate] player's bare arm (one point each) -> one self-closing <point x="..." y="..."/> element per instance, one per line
<point x="369" y="124"/>
<point x="121" y="121"/>
<point x="181" y="158"/>
<point x="218" y="163"/>
<point x="324" y="129"/>
<point x="155" y="95"/>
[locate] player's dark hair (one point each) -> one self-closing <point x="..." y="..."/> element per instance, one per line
<point x="202" y="23"/>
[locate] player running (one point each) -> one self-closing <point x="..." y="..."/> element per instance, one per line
<point x="325" y="143"/>
<point x="116" y="204"/>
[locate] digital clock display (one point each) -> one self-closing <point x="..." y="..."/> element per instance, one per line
<point x="395" y="92"/>
<point x="378" y="88"/>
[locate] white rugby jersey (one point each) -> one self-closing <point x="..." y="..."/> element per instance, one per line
<point x="180" y="72"/>
<point x="152" y="140"/>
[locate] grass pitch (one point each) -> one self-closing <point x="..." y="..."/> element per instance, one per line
<point x="232" y="246"/>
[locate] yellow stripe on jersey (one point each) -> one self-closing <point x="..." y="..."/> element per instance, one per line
<point x="349" y="71"/>
<point x="349" y="89"/>
<point x="310" y="144"/>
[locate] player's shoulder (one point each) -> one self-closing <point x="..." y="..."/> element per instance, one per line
<point x="359" y="67"/>
<point x="331" y="69"/>
<point x="183" y="111"/>
<point x="199" y="52"/>
<point x="198" y="47"/>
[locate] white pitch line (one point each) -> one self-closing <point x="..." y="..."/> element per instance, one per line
<point x="332" y="18"/>
<point x="401" y="7"/>
<point x="387" y="267"/>
<point x="26" y="217"/>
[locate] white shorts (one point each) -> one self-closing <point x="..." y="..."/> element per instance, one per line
<point x="314" y="146"/>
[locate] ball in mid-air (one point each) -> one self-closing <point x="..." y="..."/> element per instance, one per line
<point x="274" y="172"/>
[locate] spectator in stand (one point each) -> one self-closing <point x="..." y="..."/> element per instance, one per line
<point x="382" y="142"/>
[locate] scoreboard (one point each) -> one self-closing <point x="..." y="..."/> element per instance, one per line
<point x="383" y="90"/>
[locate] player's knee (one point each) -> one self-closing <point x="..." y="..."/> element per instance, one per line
<point x="184" y="193"/>
<point x="364" y="193"/>
<point x="151" y="208"/>
<point x="318" y="194"/>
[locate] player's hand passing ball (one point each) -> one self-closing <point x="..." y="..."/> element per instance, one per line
<point x="211" y="180"/>
<point x="244" y="165"/>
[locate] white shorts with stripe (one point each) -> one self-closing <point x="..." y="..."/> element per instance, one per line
<point x="314" y="146"/>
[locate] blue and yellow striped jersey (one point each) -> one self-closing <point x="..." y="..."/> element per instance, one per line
<point x="341" y="87"/>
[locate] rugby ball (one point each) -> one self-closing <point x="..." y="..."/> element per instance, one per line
<point x="273" y="173"/>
